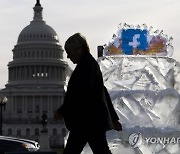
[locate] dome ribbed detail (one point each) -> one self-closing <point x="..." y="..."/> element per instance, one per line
<point x="38" y="32"/>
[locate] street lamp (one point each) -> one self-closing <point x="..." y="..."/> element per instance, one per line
<point x="3" y="102"/>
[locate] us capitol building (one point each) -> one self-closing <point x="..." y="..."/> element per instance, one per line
<point x="36" y="78"/>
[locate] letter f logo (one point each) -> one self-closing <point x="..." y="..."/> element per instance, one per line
<point x="134" y="38"/>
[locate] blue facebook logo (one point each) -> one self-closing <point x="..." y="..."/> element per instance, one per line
<point x="134" y="38"/>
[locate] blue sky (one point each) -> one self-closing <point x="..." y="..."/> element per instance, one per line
<point x="97" y="20"/>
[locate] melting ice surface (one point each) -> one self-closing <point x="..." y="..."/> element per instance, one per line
<point x="146" y="95"/>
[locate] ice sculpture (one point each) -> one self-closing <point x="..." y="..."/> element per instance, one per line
<point x="139" y="40"/>
<point x="145" y="90"/>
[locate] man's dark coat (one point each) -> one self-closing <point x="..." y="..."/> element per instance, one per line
<point x="87" y="105"/>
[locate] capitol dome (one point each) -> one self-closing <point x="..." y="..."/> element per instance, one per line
<point x="37" y="54"/>
<point x="38" y="30"/>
